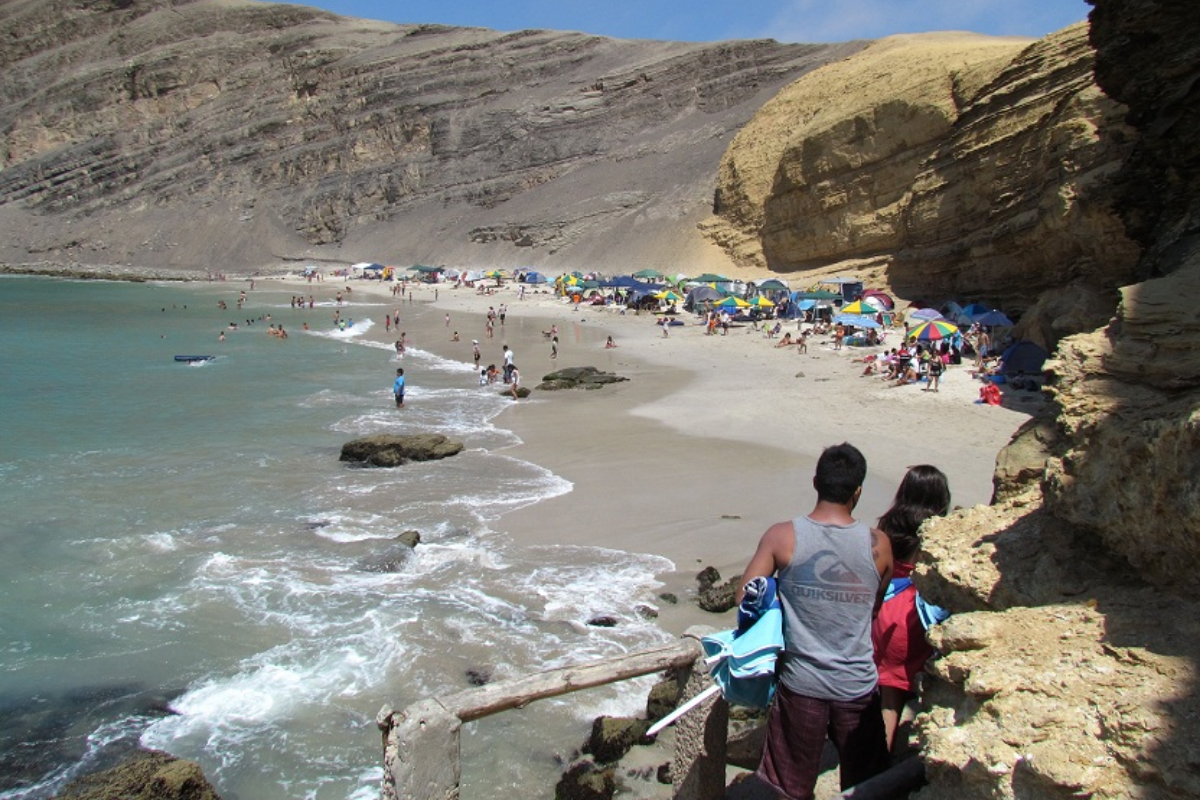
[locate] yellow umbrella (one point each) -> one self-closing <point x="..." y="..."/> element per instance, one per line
<point x="762" y="302"/>
<point x="859" y="307"/>
<point x="667" y="294"/>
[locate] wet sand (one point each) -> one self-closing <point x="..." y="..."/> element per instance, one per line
<point x="712" y="439"/>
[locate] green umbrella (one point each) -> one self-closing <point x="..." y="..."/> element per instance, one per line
<point x="708" y="277"/>
<point x="647" y="273"/>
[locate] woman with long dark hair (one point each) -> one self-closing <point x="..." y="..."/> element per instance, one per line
<point x="898" y="632"/>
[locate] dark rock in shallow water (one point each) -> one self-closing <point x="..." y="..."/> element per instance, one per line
<point x="522" y="392"/>
<point x="586" y="780"/>
<point x="603" y="621"/>
<point x="389" y="450"/>
<point x="578" y="378"/>
<point x="613" y="737"/>
<point x="479" y="676"/>
<point x="410" y="538"/>
<point x="669" y="597"/>
<point x="147" y="775"/>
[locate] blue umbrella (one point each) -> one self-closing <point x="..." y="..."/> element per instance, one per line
<point x="857" y="320"/>
<point x="993" y="318"/>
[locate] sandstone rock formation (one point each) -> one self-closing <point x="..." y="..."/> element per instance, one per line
<point x="387" y="450"/>
<point x="226" y="133"/>
<point x="1072" y="669"/>
<point x="965" y="166"/>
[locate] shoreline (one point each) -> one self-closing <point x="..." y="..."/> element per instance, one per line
<point x="713" y="438"/>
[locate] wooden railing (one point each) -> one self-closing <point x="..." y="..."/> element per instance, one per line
<point x="421" y="744"/>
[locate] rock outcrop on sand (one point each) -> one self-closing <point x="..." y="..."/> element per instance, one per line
<point x="390" y="450"/>
<point x="947" y="165"/>
<point x="1071" y="668"/>
<point x="224" y="133"/>
<point x="578" y="378"/>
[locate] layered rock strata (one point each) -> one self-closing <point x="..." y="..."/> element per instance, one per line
<point x="967" y="166"/>
<point x="209" y="133"/>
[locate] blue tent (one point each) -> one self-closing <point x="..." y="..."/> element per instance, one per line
<point x="535" y="277"/>
<point x="1024" y="358"/>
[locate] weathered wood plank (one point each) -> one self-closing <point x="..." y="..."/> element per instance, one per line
<point x="475" y="704"/>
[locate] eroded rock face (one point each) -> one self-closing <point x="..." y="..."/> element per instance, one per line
<point x="969" y="167"/>
<point x="1074" y="672"/>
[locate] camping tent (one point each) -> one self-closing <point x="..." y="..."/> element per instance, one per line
<point x="1024" y="358"/>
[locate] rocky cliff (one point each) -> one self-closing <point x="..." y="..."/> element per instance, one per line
<point x="1072" y="667"/>
<point x="219" y="133"/>
<point x="961" y="166"/>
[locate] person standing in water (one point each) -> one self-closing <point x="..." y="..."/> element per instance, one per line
<point x="398" y="388"/>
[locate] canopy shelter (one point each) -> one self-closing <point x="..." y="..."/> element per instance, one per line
<point x="702" y="294"/>
<point x="1024" y="358"/>
<point x="817" y="294"/>
<point x="846" y="288"/>
<point x="881" y="300"/>
<point x="647" y="273"/>
<point x="771" y="285"/>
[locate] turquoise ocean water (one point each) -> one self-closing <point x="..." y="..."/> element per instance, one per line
<point x="185" y="565"/>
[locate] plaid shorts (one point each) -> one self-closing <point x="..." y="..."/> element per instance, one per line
<point x="796" y="731"/>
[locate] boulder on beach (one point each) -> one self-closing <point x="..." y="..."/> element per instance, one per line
<point x="578" y="378"/>
<point x="390" y="450"/>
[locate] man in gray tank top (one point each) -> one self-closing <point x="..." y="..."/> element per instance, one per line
<point x="831" y="572"/>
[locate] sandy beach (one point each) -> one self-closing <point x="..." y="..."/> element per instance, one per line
<point x="712" y="439"/>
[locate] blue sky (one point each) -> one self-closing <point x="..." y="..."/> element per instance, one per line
<point x="712" y="20"/>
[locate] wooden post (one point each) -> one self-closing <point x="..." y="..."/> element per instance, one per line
<point x="698" y="768"/>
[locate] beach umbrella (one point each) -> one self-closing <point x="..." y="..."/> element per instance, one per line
<point x="993" y="318"/>
<point x="933" y="331"/>
<point x="925" y="314"/>
<point x="733" y="302"/>
<point x="709" y="277"/>
<point x="975" y="309"/>
<point x="859" y="307"/>
<point x="647" y="273"/>
<point x="856" y="320"/>
<point x="761" y="302"/>
<point x="668" y="295"/>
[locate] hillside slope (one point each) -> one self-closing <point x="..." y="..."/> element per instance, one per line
<point x="223" y="133"/>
